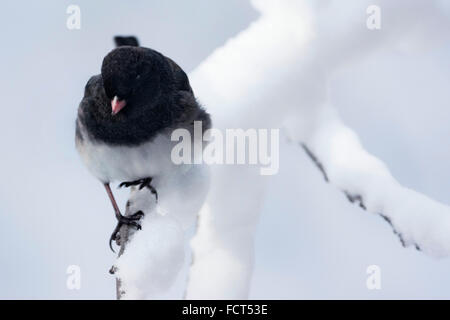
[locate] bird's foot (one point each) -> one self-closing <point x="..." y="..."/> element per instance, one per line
<point x="142" y="183"/>
<point x="130" y="220"/>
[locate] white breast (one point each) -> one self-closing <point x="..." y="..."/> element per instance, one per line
<point x="181" y="188"/>
<point x="120" y="163"/>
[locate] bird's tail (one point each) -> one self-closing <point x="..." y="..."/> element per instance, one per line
<point x="126" y="41"/>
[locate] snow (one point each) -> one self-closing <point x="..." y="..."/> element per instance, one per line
<point x="151" y="259"/>
<point x="279" y="67"/>
<point x="419" y="220"/>
<point x="275" y="74"/>
<point x="155" y="255"/>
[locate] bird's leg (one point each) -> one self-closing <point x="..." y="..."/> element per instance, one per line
<point x="146" y="182"/>
<point x="122" y="220"/>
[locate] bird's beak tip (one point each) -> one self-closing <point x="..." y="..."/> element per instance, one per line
<point x="117" y="105"/>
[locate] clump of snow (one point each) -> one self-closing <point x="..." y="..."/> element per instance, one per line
<point x="151" y="258"/>
<point x="154" y="256"/>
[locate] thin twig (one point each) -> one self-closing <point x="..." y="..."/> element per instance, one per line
<point x="353" y="197"/>
<point x="122" y="242"/>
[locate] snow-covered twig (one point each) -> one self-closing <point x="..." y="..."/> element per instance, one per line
<point x="151" y="259"/>
<point x="122" y="242"/>
<point x="416" y="219"/>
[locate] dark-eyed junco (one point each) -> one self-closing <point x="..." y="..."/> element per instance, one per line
<point x="127" y="115"/>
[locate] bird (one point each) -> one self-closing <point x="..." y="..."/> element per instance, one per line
<point x="125" y="120"/>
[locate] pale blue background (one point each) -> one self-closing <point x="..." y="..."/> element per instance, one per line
<point x="311" y="242"/>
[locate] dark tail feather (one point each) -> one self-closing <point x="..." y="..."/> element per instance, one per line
<point x="126" y="41"/>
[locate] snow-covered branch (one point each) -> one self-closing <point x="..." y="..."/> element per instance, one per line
<point x="416" y="219"/>
<point x="125" y="233"/>
<point x="149" y="259"/>
<point x="122" y="241"/>
<point x="279" y="68"/>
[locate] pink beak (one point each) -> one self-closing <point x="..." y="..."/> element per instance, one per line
<point x="117" y="105"/>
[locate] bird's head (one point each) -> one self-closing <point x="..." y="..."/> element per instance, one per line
<point x="132" y="76"/>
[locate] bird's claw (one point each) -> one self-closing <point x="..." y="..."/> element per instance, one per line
<point x="125" y="220"/>
<point x="131" y="220"/>
<point x="142" y="183"/>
